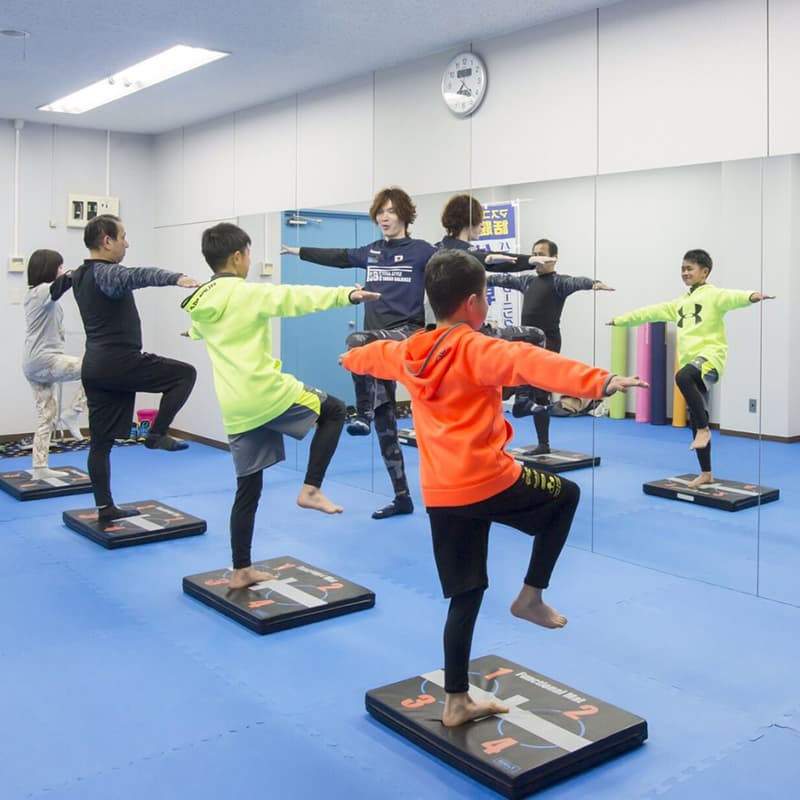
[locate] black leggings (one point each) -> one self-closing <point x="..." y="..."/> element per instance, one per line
<point x="248" y="487"/>
<point x="109" y="406"/>
<point x="540" y="504"/>
<point x="692" y="386"/>
<point x="323" y="443"/>
<point x="527" y="395"/>
<point x="458" y="630"/>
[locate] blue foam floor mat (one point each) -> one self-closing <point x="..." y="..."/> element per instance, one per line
<point x="119" y="685"/>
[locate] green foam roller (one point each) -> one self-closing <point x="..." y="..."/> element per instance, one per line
<point x="619" y="366"/>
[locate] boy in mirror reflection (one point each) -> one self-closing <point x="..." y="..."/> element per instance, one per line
<point x="701" y="343"/>
<point x="454" y="375"/>
<point x="544" y="295"/>
<point x="395" y="267"/>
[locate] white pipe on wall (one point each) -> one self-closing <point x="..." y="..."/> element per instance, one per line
<point x="18" y="126"/>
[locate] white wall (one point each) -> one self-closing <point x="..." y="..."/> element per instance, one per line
<point x="784" y="67"/>
<point x="681" y="82"/>
<point x="54" y="162"/>
<point x="636" y="87"/>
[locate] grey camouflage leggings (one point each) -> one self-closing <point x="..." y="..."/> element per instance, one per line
<point x="43" y="382"/>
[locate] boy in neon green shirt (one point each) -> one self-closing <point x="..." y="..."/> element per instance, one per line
<point x="259" y="403"/>
<point x="702" y="345"/>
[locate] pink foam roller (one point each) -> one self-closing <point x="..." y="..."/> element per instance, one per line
<point x="644" y="369"/>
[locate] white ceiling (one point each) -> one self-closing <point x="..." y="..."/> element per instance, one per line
<point x="279" y="48"/>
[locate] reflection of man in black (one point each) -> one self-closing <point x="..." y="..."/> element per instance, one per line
<point x="544" y="295"/>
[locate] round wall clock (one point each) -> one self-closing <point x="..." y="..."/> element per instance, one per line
<point x="464" y="83"/>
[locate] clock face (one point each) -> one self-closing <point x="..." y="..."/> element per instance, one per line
<point x="464" y="83"/>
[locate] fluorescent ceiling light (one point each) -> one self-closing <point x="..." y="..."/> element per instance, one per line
<point x="161" y="67"/>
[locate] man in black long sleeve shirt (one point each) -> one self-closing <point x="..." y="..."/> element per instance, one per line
<point x="544" y="295"/>
<point x="114" y="366"/>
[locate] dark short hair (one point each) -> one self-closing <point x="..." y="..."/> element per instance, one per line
<point x="98" y="228"/>
<point x="43" y="266"/>
<point x="403" y="205"/>
<point x="451" y="276"/>
<point x="462" y="211"/>
<point x="552" y="247"/>
<point x="222" y="241"/>
<point x="699" y="257"/>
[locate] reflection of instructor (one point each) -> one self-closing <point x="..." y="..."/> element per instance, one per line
<point x="395" y="267"/>
<point x="544" y="295"/>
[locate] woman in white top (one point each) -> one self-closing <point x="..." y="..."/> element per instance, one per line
<point x="44" y="361"/>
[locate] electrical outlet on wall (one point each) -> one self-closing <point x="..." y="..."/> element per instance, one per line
<point x="83" y="207"/>
<point x="16" y="264"/>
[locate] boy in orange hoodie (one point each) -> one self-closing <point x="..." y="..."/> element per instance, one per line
<point x="454" y="376"/>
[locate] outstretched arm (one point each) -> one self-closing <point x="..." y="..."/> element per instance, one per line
<point x="661" y="312"/>
<point x="359" y="295"/>
<point x="325" y="256"/>
<point x="512" y="262"/>
<point x="60" y="285"/>
<point x="114" y="280"/>
<point x="518" y="283"/>
<point x="621" y="383"/>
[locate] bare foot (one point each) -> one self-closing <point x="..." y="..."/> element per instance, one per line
<point x="460" y="708"/>
<point x="312" y="497"/>
<point x="701" y="439"/>
<point x="701" y="480"/>
<point x="241" y="578"/>
<point x="530" y="606"/>
<point x="43" y="473"/>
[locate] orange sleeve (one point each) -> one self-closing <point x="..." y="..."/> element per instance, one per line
<point x="500" y="363"/>
<point x="380" y="359"/>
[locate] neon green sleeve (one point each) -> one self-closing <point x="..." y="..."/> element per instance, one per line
<point x="295" y="300"/>
<point x="729" y="299"/>
<point x="661" y="312"/>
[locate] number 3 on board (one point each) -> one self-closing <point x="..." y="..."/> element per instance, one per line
<point x="422" y="700"/>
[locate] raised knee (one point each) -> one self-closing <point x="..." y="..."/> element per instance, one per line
<point x="571" y="491"/>
<point x="358" y="339"/>
<point x="336" y="408"/>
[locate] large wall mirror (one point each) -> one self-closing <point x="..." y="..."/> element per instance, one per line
<point x="645" y="223"/>
<point x="779" y="379"/>
<point x="629" y="231"/>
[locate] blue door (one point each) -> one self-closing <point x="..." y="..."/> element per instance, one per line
<point x="311" y="345"/>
